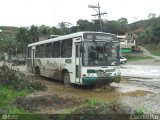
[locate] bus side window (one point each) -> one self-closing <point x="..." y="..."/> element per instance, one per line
<point x="66" y="48"/>
<point x="42" y="51"/>
<point x="37" y="52"/>
<point x="29" y="52"/>
<point x="48" y="51"/>
<point x="56" y="49"/>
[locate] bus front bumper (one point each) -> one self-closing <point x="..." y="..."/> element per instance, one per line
<point x="96" y="80"/>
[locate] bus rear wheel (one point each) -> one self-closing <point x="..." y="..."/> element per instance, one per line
<point x="66" y="79"/>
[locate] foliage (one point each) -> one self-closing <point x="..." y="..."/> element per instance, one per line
<point x="112" y="111"/>
<point x="151" y="32"/>
<point x="136" y="58"/>
<point x="7" y="97"/>
<point x="6" y="94"/>
<point x="153" y="49"/>
<point x="17" y="42"/>
<point x="151" y="15"/>
<point x="17" y="80"/>
<point x="93" y="101"/>
<point x="7" y="39"/>
<point x="138" y="112"/>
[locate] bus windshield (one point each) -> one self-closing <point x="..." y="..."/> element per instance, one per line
<point x="100" y="53"/>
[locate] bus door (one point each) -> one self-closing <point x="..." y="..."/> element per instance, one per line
<point x="77" y="63"/>
<point x="33" y="59"/>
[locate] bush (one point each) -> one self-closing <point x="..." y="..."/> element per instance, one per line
<point x="11" y="76"/>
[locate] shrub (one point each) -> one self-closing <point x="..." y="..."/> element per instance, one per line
<point x="11" y="76"/>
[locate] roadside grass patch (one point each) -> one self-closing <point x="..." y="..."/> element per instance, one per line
<point x="14" y="84"/>
<point x="138" y="112"/>
<point x="7" y="97"/>
<point x="96" y="109"/>
<point x="136" y="58"/>
<point x="95" y="101"/>
<point x="12" y="77"/>
<point x="153" y="49"/>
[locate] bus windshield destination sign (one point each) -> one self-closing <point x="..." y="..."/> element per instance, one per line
<point x="91" y="36"/>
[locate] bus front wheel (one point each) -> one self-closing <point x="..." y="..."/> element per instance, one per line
<point x="66" y="79"/>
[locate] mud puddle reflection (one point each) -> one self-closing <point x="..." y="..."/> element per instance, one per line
<point x="109" y="93"/>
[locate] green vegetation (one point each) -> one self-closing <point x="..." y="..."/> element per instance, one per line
<point x="153" y="49"/>
<point x="138" y="112"/>
<point x="14" y="84"/>
<point x="136" y="58"/>
<point x="150" y="32"/>
<point x="95" y="101"/>
<point x="7" y="96"/>
<point x="15" y="40"/>
<point x="17" y="80"/>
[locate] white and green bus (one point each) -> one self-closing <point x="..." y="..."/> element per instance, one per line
<point x="84" y="58"/>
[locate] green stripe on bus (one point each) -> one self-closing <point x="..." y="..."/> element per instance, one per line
<point x="89" y="80"/>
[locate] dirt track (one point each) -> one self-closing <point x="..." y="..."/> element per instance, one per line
<point x="139" y="88"/>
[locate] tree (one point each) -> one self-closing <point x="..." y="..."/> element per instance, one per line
<point x="65" y="27"/>
<point x="33" y="35"/>
<point x="44" y="30"/>
<point x="123" y="21"/>
<point x="152" y="15"/>
<point x="56" y="31"/>
<point x="112" y="26"/>
<point x="22" y="38"/>
<point x="84" y="25"/>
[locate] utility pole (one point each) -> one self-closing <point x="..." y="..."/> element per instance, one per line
<point x="99" y="14"/>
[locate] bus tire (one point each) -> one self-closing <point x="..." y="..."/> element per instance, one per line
<point x="66" y="78"/>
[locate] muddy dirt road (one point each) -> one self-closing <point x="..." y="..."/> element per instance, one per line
<point x="144" y="76"/>
<point x="139" y="88"/>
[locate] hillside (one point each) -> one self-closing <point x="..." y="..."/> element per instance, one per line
<point x="142" y="24"/>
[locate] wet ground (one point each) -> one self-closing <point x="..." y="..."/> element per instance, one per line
<point x="143" y="76"/>
<point x="139" y="88"/>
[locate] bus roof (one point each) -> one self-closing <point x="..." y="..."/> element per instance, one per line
<point x="77" y="34"/>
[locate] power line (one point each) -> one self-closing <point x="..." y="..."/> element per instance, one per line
<point x="99" y="14"/>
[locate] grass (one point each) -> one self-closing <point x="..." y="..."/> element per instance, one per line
<point x="95" y="101"/>
<point x="138" y="112"/>
<point x="136" y="58"/>
<point x="153" y="49"/>
<point x="7" y="96"/>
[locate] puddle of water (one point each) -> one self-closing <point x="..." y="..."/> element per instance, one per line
<point x="110" y="93"/>
<point x="126" y="88"/>
<point x="137" y="93"/>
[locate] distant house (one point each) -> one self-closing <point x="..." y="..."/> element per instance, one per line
<point x="125" y="47"/>
<point x="132" y="37"/>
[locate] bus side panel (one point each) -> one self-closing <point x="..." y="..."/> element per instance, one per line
<point x="52" y="68"/>
<point x="40" y="64"/>
<point x="68" y="64"/>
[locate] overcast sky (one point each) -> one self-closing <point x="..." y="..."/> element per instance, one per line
<point x="51" y="12"/>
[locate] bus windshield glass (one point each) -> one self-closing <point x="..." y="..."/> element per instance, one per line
<point x="100" y="53"/>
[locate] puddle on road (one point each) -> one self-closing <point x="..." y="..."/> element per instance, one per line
<point x="137" y="93"/>
<point x="109" y="93"/>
